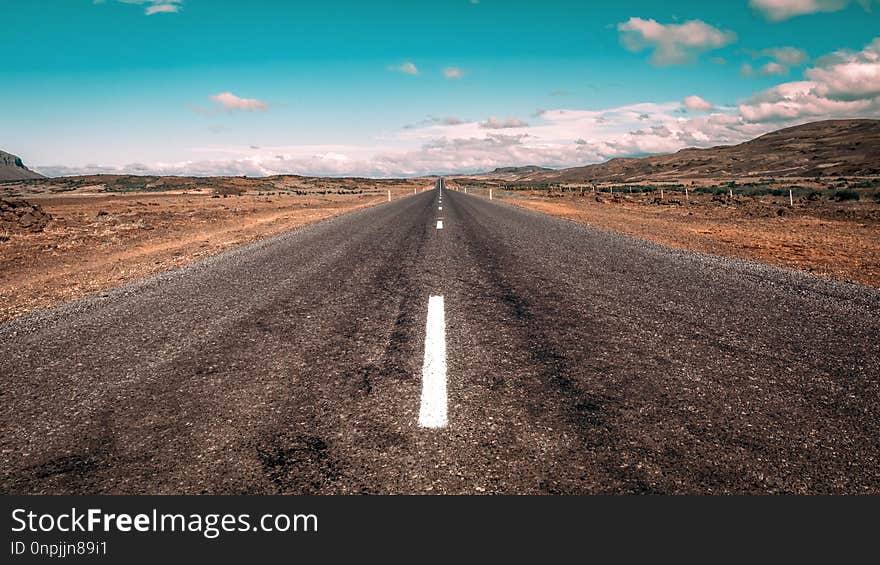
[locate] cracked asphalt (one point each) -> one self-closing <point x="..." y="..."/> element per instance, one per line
<point x="578" y="361"/>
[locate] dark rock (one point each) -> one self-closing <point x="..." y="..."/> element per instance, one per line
<point x="22" y="216"/>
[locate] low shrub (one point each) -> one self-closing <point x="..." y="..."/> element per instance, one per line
<point x="846" y="195"/>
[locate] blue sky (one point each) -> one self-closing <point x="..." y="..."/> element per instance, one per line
<point x="404" y="88"/>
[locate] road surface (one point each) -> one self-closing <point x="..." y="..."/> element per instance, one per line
<point x="555" y="358"/>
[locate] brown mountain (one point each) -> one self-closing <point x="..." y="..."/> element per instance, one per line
<point x="11" y="168"/>
<point x="828" y="148"/>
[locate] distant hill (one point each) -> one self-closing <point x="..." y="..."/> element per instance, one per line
<point x="11" y="168"/>
<point x="827" y="148"/>
<point x="526" y="169"/>
<point x="513" y="173"/>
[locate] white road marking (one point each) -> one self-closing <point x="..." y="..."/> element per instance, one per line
<point x="432" y="412"/>
<point x="439" y="224"/>
<point x="440" y="208"/>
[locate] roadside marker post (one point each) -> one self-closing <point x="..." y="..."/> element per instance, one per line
<point x="731" y="194"/>
<point x="490" y="194"/>
<point x="686" y="196"/>
<point x="389" y="195"/>
<point x="790" y="198"/>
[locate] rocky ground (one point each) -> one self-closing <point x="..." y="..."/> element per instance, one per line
<point x="838" y="240"/>
<point x="60" y="242"/>
<point x="21" y="216"/>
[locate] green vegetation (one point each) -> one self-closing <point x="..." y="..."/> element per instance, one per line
<point x="845" y="195"/>
<point x="869" y="183"/>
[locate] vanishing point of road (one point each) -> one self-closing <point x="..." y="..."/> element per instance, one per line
<point x="446" y="343"/>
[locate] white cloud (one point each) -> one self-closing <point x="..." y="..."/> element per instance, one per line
<point x="156" y="6"/>
<point x="697" y="104"/>
<point x="843" y="84"/>
<point x="229" y="102"/>
<point x="232" y="102"/>
<point x="495" y="123"/>
<point x="672" y="44"/>
<point x="452" y="73"/>
<point x="162" y="9"/>
<point x="798" y="101"/>
<point x="779" y="10"/>
<point x="407" y="68"/>
<point x="848" y="75"/>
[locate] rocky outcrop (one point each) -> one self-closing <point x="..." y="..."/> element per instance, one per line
<point x="17" y="216"/>
<point x="11" y="168"/>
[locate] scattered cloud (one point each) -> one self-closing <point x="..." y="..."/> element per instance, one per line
<point x="152" y="7"/>
<point x="697" y="104"/>
<point x="780" y="63"/>
<point x="791" y="56"/>
<point x="779" y="10"/>
<point x="452" y="73"/>
<point x="407" y="68"/>
<point x="162" y="9"/>
<point x="672" y="44"/>
<point x="495" y="123"/>
<point x="450" y="121"/>
<point x="843" y="84"/>
<point x="229" y="102"/>
<point x="768" y="69"/>
<point x="232" y="102"/>
<point x="435" y="120"/>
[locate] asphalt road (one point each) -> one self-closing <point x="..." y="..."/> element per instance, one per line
<point x="576" y="361"/>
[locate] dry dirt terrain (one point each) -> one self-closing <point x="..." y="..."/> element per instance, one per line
<point x="63" y="239"/>
<point x="838" y="240"/>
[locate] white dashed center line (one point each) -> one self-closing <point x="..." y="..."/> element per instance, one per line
<point x="439" y="224"/>
<point x="432" y="412"/>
